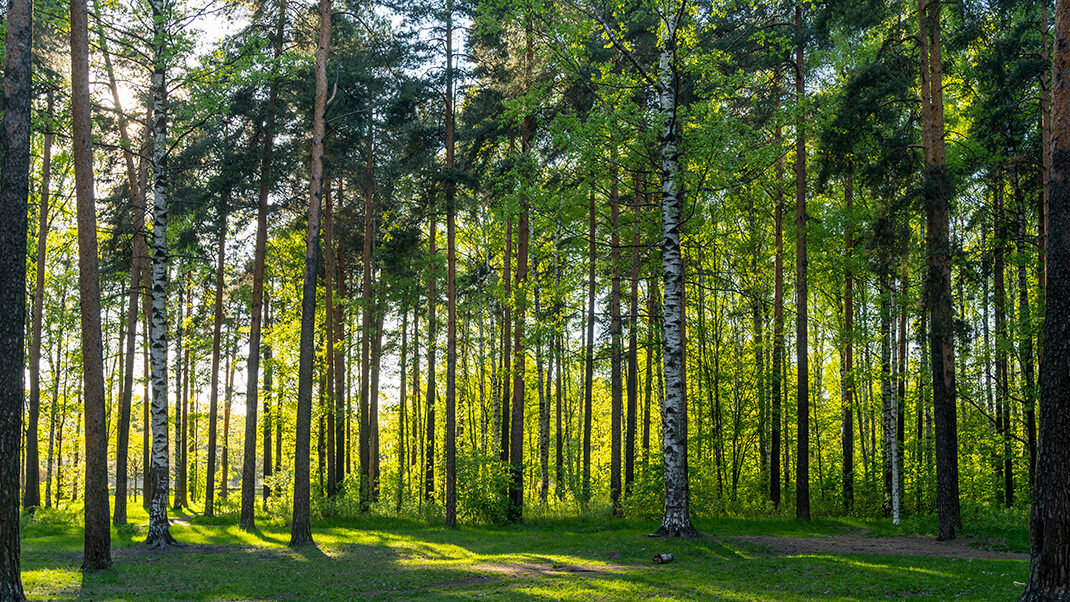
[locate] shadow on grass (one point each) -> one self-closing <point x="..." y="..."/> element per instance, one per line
<point x="397" y="559"/>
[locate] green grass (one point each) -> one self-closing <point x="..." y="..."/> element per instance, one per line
<point x="388" y="558"/>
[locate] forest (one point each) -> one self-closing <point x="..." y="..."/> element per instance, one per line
<point x="447" y="277"/>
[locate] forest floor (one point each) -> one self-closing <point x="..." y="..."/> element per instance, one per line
<point x="596" y="558"/>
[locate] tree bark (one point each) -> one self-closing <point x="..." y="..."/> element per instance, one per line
<point x="14" y="202"/>
<point x="938" y="192"/>
<point x="616" y="384"/>
<point x="97" y="528"/>
<point x="301" y="525"/>
<point x="1049" y="525"/>
<point x="159" y="534"/>
<point x="451" y="287"/>
<point x="775" y="392"/>
<point x="213" y="387"/>
<point x="847" y="376"/>
<point x="588" y="374"/>
<point x="677" y="519"/>
<point x="802" y="390"/>
<point x="429" y="427"/>
<point x="31" y="497"/>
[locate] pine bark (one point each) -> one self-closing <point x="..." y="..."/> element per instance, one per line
<point x="588" y="374"/>
<point x="14" y="202"/>
<point x="937" y="194"/>
<point x="301" y="525"/>
<point x="802" y="352"/>
<point x="451" y="287"/>
<point x="97" y="553"/>
<point x="1049" y="525"/>
<point x="213" y="387"/>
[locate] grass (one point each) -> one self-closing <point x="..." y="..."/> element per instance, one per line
<point x="389" y="558"/>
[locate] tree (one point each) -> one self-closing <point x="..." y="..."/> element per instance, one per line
<point x="937" y="191"/>
<point x="1049" y="524"/>
<point x="248" y="479"/>
<point x="159" y="535"/>
<point x="97" y="553"/>
<point x="14" y="199"/>
<point x="301" y="525"/>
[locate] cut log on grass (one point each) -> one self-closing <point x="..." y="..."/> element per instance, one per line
<point x="663" y="558"/>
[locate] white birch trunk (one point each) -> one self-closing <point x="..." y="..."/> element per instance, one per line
<point x="677" y="519"/>
<point x="159" y="532"/>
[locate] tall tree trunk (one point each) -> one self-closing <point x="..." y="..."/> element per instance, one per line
<point x="14" y="202"/>
<point x="847" y="376"/>
<point x="269" y="418"/>
<point x="802" y="391"/>
<point x="776" y="369"/>
<point x="1025" y="332"/>
<point x="1049" y="525"/>
<point x="31" y="497"/>
<point x="159" y="534"/>
<point x="588" y="375"/>
<point x="213" y="387"/>
<point x="259" y="309"/>
<point x="429" y="427"/>
<point x="938" y="297"/>
<point x="1002" y="384"/>
<point x="373" y="394"/>
<point x="341" y="432"/>
<point x="329" y="274"/>
<point x="451" y="288"/>
<point x="366" y="325"/>
<point x="402" y="391"/>
<point x="97" y="528"/>
<point x="633" y="345"/>
<point x="180" y="481"/>
<point x="616" y="385"/>
<point x="677" y="519"/>
<point x="301" y="526"/>
<point x="1045" y="180"/>
<point x="507" y="327"/>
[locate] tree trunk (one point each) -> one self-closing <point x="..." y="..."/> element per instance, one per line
<point x="213" y="387"/>
<point x="616" y="384"/>
<point x="938" y="192"/>
<point x="778" y="329"/>
<point x="802" y="391"/>
<point x="633" y="345"/>
<point x="301" y="526"/>
<point x="269" y="418"/>
<point x="429" y="427"/>
<point x="847" y="375"/>
<point x="97" y="528"/>
<point x="258" y="310"/>
<point x="1049" y="525"/>
<point x="180" y="481"/>
<point x="588" y="375"/>
<point x="31" y="497"/>
<point x="14" y="202"/>
<point x="159" y="534"/>
<point x="451" y="288"/>
<point x="677" y="519"/>
<point x="1025" y="333"/>
<point x="402" y="391"/>
<point x="341" y="451"/>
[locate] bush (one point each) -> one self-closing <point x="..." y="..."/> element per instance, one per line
<point x="481" y="487"/>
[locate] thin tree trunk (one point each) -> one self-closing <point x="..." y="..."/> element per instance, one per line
<point x="403" y="389"/>
<point x="802" y="391"/>
<point x="429" y="427"/>
<point x="616" y="385"/>
<point x="633" y="345"/>
<point x="778" y="329"/>
<point x="847" y="376"/>
<point x="588" y="378"/>
<point x="213" y="387"/>
<point x="451" y="288"/>
<point x="301" y="526"/>
<point x="1025" y="333"/>
<point x="31" y="497"/>
<point x="269" y="418"/>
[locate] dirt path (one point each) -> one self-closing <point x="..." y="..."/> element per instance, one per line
<point x="860" y="543"/>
